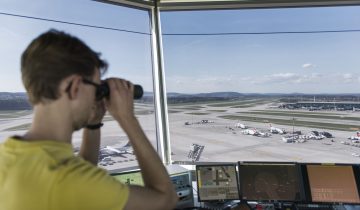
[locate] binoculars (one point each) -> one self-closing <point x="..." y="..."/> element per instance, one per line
<point x="103" y="91"/>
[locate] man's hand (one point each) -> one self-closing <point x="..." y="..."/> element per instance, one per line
<point x="97" y="114"/>
<point x="121" y="102"/>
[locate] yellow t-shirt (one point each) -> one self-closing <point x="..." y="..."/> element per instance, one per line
<point x="45" y="175"/>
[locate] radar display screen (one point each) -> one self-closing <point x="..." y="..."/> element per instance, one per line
<point x="217" y="182"/>
<point x="332" y="184"/>
<point x="270" y="182"/>
<point x="129" y="178"/>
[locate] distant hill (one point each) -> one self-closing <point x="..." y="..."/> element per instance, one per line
<point x="14" y="101"/>
<point x="19" y="100"/>
<point x="215" y="95"/>
<point x="9" y="96"/>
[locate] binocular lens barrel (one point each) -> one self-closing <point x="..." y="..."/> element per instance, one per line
<point x="105" y="91"/>
<point x="138" y="92"/>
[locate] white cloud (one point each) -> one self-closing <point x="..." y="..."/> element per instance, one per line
<point x="308" y="65"/>
<point x="288" y="78"/>
<point x="281" y="82"/>
<point x="198" y="84"/>
<point x="348" y="78"/>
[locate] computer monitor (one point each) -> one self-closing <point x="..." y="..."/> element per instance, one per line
<point x="270" y="182"/>
<point x="129" y="178"/>
<point x="217" y="182"/>
<point x="332" y="183"/>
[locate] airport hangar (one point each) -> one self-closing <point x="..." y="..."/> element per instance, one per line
<point x="313" y="105"/>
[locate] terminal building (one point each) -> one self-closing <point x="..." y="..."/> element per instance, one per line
<point x="312" y="106"/>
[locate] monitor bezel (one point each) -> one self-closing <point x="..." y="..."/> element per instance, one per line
<point x="356" y="173"/>
<point x="214" y="165"/>
<point x="300" y="182"/>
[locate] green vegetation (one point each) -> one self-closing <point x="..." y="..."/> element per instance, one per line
<point x="14" y="114"/>
<point x="217" y="110"/>
<point x="308" y="115"/>
<point x="141" y="105"/>
<point x="251" y="104"/>
<point x="108" y="118"/>
<point x="143" y="112"/>
<point x="174" y="111"/>
<point x="301" y="123"/>
<point x="186" y="108"/>
<point x="297" y="112"/>
<point x="196" y="107"/>
<point x="237" y="103"/>
<point x="131" y="178"/>
<point x="193" y="103"/>
<point x="244" y="106"/>
<point x="197" y="113"/>
<point x="19" y="127"/>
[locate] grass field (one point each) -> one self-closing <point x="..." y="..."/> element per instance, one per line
<point x="197" y="113"/>
<point x="143" y="112"/>
<point x="239" y="103"/>
<point x="134" y="178"/>
<point x="19" y="127"/>
<point x="301" y="123"/>
<point x="174" y="111"/>
<point x="297" y="112"/>
<point x="187" y="108"/>
<point x="308" y="115"/>
<point x="217" y="110"/>
<point x="14" y="114"/>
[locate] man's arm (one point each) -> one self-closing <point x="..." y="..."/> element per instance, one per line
<point x="158" y="193"/>
<point x="90" y="145"/>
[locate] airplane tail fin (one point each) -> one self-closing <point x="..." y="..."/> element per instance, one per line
<point x="127" y="144"/>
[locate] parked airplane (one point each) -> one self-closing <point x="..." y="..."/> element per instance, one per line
<point x="276" y="130"/>
<point x="357" y="137"/>
<point x="293" y="138"/>
<point x="326" y="134"/>
<point x="315" y="135"/>
<point x="290" y="138"/>
<point x="127" y="149"/>
<point x="250" y="131"/>
<point x="240" y="125"/>
<point x="263" y="134"/>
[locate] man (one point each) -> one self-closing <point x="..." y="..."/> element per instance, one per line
<point x="39" y="171"/>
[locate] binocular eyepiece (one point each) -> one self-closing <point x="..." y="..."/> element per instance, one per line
<point x="104" y="91"/>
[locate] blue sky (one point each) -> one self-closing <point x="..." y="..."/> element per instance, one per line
<point x="129" y="54"/>
<point x="309" y="63"/>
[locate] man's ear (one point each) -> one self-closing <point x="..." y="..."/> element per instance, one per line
<point x="70" y="86"/>
<point x="74" y="87"/>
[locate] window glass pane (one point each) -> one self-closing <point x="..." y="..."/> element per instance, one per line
<point x="81" y="11"/>
<point x="128" y="54"/>
<point x="233" y="69"/>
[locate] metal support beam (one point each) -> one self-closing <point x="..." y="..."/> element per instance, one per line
<point x="136" y="4"/>
<point x="163" y="137"/>
<point x="175" y="5"/>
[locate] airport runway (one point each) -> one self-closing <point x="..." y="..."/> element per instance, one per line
<point x="222" y="140"/>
